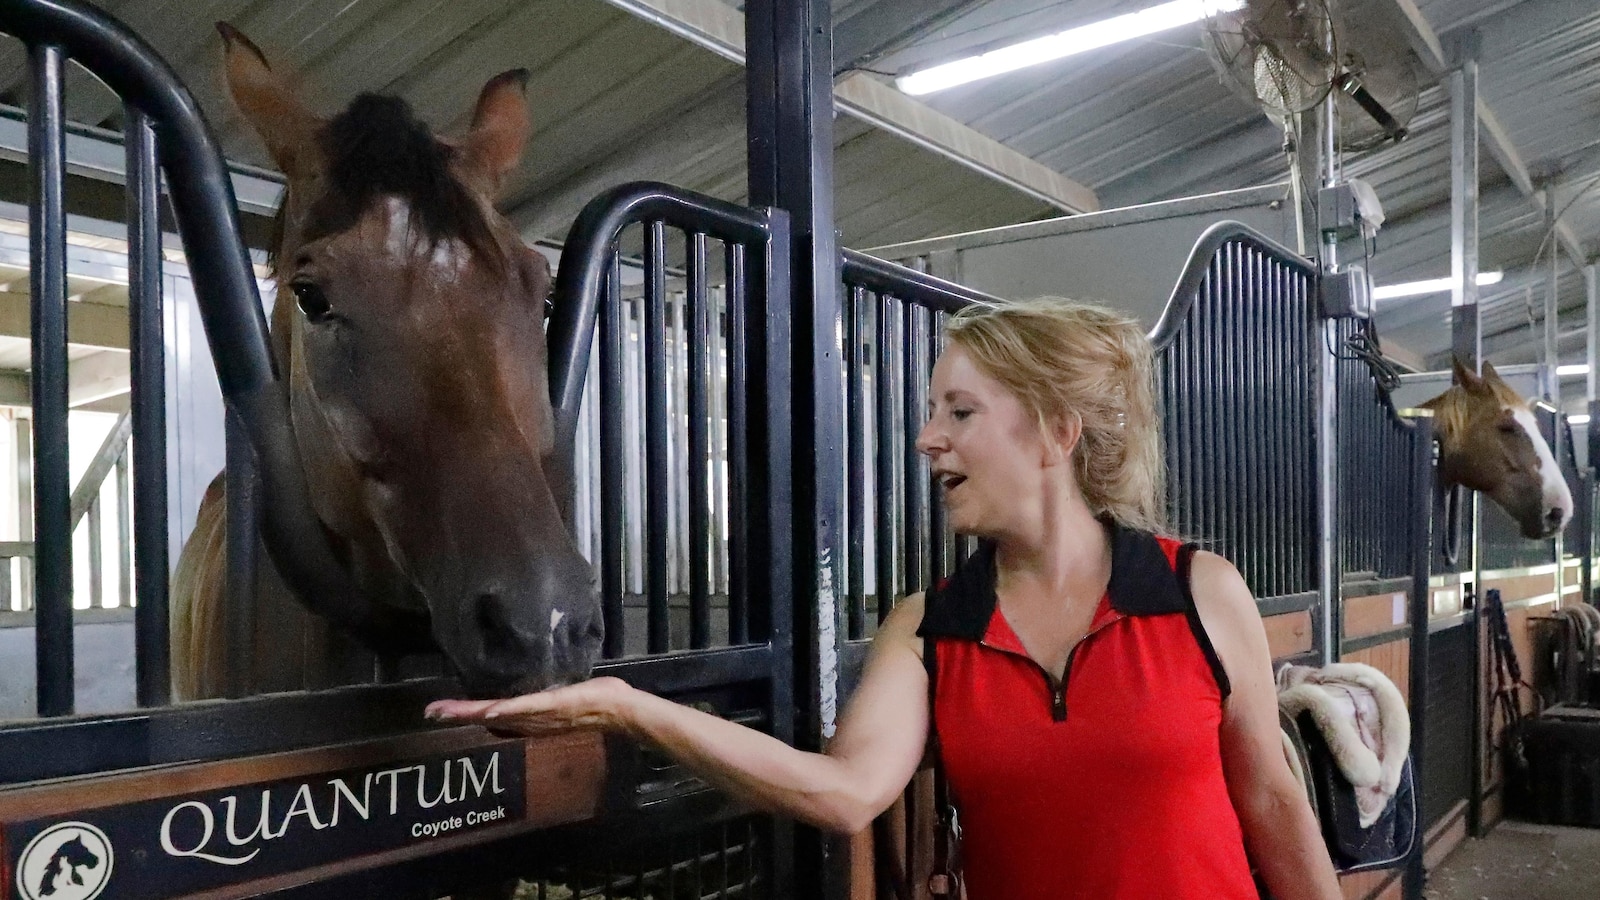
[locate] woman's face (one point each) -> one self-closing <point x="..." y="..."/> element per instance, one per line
<point x="987" y="452"/>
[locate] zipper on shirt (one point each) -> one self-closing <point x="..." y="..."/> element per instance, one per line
<point x="1058" y="689"/>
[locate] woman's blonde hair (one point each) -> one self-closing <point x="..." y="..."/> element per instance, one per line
<point x="1066" y="359"/>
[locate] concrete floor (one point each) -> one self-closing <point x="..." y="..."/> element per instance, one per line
<point x="1520" y="861"/>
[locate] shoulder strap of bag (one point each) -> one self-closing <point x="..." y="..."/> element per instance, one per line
<point x="945" y="879"/>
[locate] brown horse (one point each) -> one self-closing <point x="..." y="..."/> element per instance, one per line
<point x="409" y="322"/>
<point x="1489" y="442"/>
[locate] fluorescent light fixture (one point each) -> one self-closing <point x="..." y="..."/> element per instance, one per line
<point x="1574" y="369"/>
<point x="1431" y="286"/>
<point x="1064" y="43"/>
<point x="1578" y="419"/>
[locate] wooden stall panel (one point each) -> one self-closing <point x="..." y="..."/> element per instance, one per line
<point x="1375" y="613"/>
<point x="1289" y="634"/>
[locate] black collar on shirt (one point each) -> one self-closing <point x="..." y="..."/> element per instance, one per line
<point x="1143" y="583"/>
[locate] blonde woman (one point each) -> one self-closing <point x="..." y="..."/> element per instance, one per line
<point x="1101" y="697"/>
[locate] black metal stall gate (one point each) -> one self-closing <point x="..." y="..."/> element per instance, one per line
<point x="615" y="822"/>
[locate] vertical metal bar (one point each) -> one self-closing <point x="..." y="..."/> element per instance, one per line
<point x="1420" y="545"/>
<point x="885" y="510"/>
<point x="855" y="442"/>
<point x="938" y="564"/>
<point x="1591" y="287"/>
<point x="613" y="334"/>
<point x="148" y="375"/>
<point x="97" y="575"/>
<point x="916" y="501"/>
<point x="699" y="423"/>
<point x="655" y="431"/>
<point x="740" y="496"/>
<point x="1466" y="339"/>
<point x="1552" y="307"/>
<point x="5" y="584"/>
<point x="47" y="281"/>
<point x="242" y="521"/>
<point x="124" y="536"/>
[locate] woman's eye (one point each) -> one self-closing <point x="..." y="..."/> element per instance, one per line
<point x="961" y="415"/>
<point x="311" y="300"/>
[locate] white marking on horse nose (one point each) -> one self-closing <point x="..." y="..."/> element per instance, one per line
<point x="556" y="616"/>
<point x="1556" y="493"/>
<point x="398" y="242"/>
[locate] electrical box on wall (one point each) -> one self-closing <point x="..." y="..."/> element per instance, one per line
<point x="1346" y="293"/>
<point x="1349" y="210"/>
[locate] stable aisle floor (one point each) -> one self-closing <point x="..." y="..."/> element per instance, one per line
<point x="1520" y="861"/>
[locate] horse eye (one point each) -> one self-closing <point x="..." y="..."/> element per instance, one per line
<point x="1509" y="428"/>
<point x="311" y="300"/>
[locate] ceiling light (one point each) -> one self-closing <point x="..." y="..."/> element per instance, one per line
<point x="1573" y="369"/>
<point x="1578" y="419"/>
<point x="1064" y="43"/>
<point x="1431" y="286"/>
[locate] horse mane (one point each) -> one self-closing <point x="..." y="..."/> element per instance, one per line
<point x="378" y="148"/>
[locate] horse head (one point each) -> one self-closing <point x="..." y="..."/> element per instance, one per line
<point x="1489" y="441"/>
<point x="409" y="321"/>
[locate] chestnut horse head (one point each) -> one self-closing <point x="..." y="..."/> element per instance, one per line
<point x="409" y="321"/>
<point x="1489" y="441"/>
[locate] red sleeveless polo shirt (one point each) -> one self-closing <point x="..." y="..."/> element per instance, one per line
<point x="1109" y="786"/>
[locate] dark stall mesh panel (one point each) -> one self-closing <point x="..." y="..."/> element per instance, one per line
<point x="722" y="860"/>
<point x="1447" y="754"/>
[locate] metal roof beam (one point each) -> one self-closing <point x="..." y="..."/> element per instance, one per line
<point x="1431" y="50"/>
<point x="720" y="29"/>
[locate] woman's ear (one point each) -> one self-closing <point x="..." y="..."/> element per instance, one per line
<point x="1061" y="438"/>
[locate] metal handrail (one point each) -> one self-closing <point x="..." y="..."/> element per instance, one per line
<point x="1199" y="263"/>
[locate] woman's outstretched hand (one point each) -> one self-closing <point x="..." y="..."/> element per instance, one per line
<point x="599" y="703"/>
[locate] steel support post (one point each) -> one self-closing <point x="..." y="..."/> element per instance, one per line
<point x="790" y="80"/>
<point x="1330" y="572"/>
<point x="1592" y="428"/>
<point x="1466" y="342"/>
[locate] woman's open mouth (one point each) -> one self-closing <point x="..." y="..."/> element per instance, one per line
<point x="950" y="481"/>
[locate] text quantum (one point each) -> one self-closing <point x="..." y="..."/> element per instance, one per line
<point x="197" y="841"/>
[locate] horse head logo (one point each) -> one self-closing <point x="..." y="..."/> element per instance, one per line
<point x="68" y="861"/>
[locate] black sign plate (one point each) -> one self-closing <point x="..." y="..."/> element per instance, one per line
<point x="157" y="849"/>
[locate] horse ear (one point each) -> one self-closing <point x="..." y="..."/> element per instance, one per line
<point x="500" y="128"/>
<point x="268" y="104"/>
<point x="1463" y="375"/>
<point x="1489" y="374"/>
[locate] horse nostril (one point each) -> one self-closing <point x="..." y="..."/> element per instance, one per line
<point x="499" y="638"/>
<point x="1554" y="516"/>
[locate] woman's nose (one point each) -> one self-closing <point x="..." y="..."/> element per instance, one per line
<point x="929" y="440"/>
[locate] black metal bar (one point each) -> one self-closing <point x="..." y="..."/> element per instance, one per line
<point x="658" y="633"/>
<point x="47" y="281"/>
<point x="147" y="374"/>
<point x="916" y="486"/>
<point x="699" y="458"/>
<point x="938" y="557"/>
<point x="613" y="337"/>
<point x="740" y="498"/>
<point x="860" y="270"/>
<point x="855" y="441"/>
<point x="884" y="510"/>
<point x="1420" y="545"/>
<point x="242" y="520"/>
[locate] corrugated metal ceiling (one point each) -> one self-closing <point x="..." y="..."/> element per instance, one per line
<point x="615" y="96"/>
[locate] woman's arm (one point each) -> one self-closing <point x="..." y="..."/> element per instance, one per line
<point x="1280" y="830"/>
<point x="876" y="750"/>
